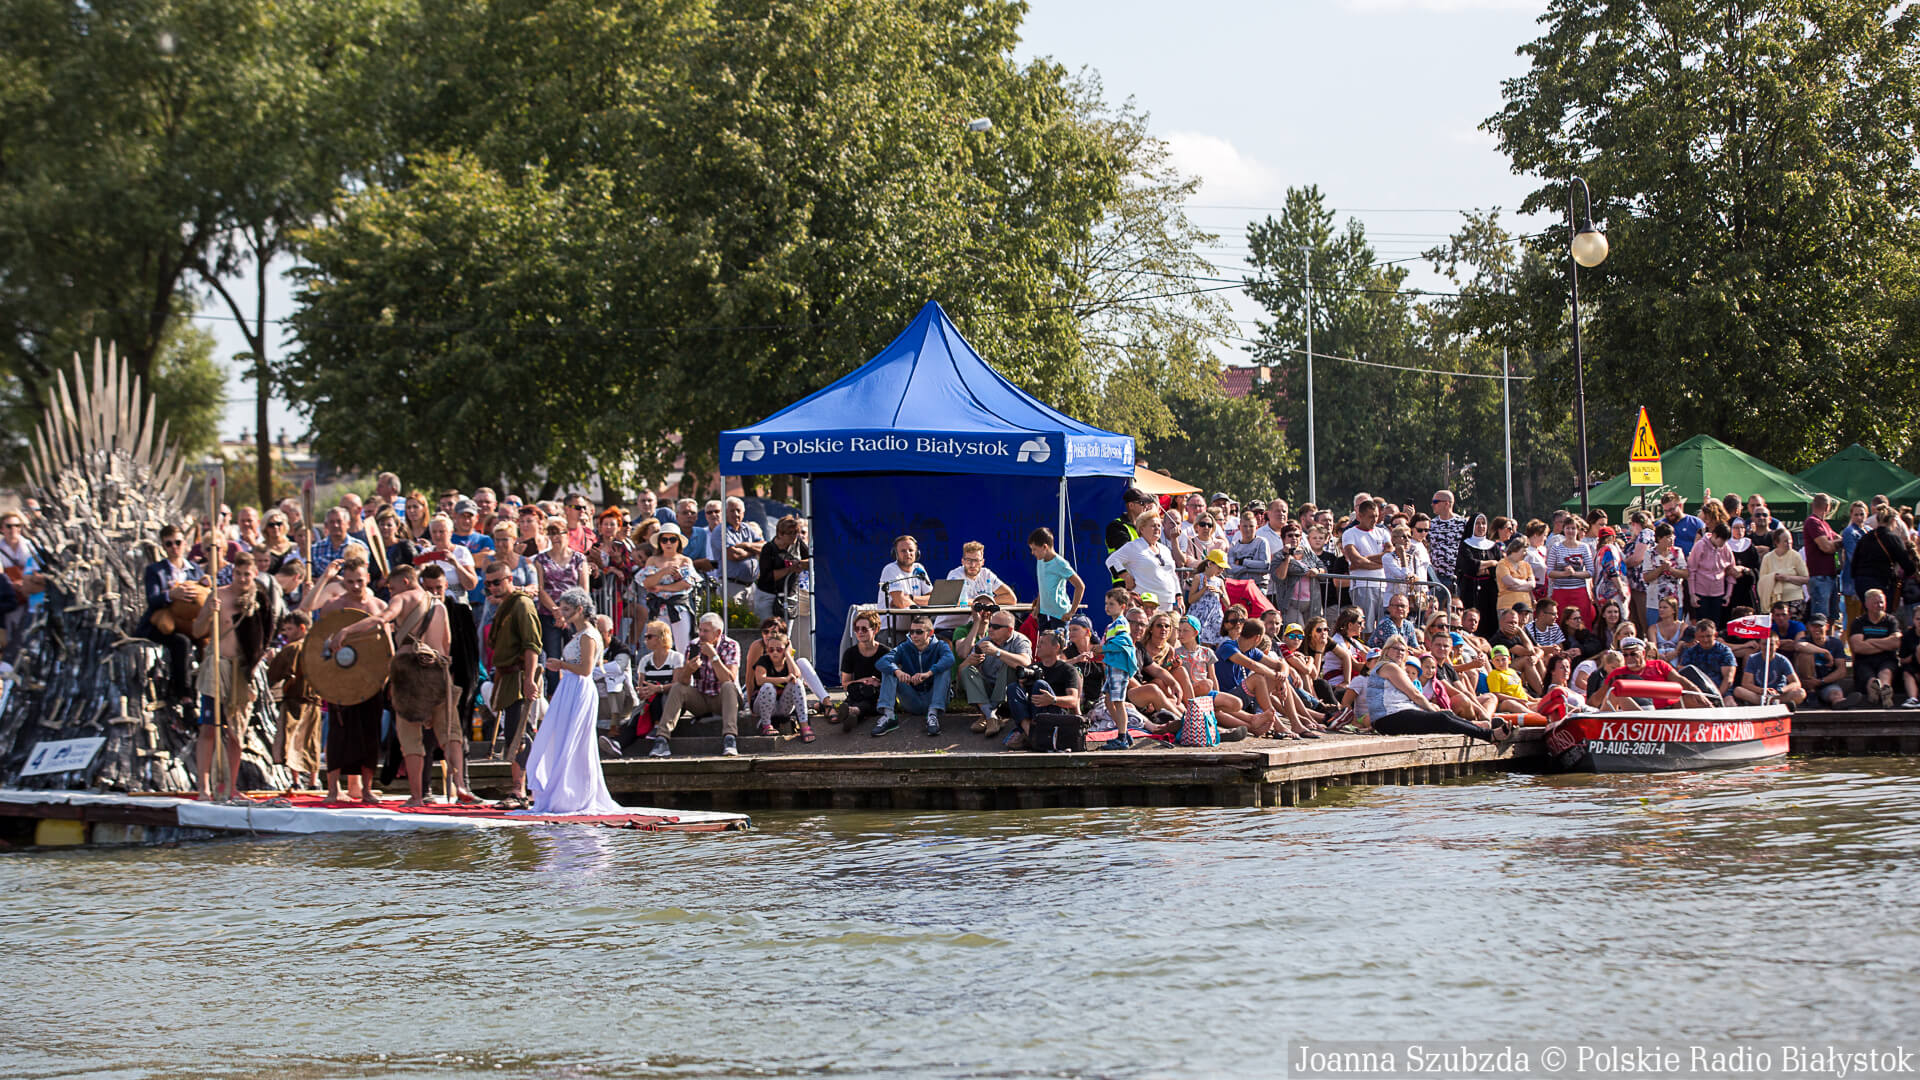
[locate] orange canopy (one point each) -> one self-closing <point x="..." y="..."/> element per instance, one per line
<point x="1156" y="483"/>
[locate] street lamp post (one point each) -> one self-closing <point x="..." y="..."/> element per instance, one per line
<point x="1588" y="247"/>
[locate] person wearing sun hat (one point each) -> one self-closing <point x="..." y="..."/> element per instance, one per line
<point x="1502" y="679"/>
<point x="1207" y="596"/>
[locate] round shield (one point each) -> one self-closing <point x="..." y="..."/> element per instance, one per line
<point x="357" y="670"/>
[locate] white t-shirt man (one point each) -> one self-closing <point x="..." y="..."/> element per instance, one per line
<point x="912" y="581"/>
<point x="982" y="584"/>
<point x="1370" y="542"/>
<point x="1152" y="567"/>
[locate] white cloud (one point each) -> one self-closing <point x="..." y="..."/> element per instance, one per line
<point x="1228" y="177"/>
<point x="1443" y="7"/>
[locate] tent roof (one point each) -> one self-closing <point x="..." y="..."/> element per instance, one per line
<point x="1159" y="483"/>
<point x="1705" y="463"/>
<point x="1856" y="473"/>
<point x="926" y="403"/>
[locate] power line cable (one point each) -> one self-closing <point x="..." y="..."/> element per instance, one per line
<point x="1378" y="364"/>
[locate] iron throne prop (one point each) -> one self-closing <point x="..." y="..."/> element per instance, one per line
<point x="107" y="482"/>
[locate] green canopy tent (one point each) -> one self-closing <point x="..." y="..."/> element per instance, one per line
<point x="1856" y="473"/>
<point x="1904" y="495"/>
<point x="1704" y="463"/>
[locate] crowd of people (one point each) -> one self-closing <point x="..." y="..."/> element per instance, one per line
<point x="1288" y="622"/>
<point x="498" y="600"/>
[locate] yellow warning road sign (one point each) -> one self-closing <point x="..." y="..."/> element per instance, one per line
<point x="1644" y="462"/>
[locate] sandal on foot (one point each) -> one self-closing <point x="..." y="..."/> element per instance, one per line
<point x="806" y="732"/>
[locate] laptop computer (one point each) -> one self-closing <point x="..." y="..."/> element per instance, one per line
<point x="946" y="593"/>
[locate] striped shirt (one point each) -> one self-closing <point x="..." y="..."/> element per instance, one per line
<point x="1547" y="637"/>
<point x="1564" y="556"/>
<point x="326" y="553"/>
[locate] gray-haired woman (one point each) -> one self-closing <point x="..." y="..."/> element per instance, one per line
<point x="563" y="766"/>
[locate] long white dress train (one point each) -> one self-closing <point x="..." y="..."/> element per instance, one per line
<point x="563" y="767"/>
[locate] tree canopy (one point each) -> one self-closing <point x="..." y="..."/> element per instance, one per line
<point x="1754" y="164"/>
<point x="738" y="207"/>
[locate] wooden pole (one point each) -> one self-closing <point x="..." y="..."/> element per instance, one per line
<point x="215" y="544"/>
<point x="306" y="524"/>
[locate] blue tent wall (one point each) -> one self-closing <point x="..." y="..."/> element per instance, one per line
<point x="857" y="515"/>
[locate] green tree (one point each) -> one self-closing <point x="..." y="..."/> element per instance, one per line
<point x="151" y="149"/>
<point x="473" y="377"/>
<point x="1368" y="419"/>
<point x="1753" y="161"/>
<point x="738" y="206"/>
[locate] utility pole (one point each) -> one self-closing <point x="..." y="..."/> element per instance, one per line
<point x="1313" y="477"/>
<point x="1506" y="412"/>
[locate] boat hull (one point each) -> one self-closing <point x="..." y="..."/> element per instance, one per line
<point x="1669" y="740"/>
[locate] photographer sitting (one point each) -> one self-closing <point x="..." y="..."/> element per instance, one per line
<point x="992" y="654"/>
<point x="1051" y="684"/>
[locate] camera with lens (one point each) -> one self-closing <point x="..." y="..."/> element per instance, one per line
<point x="1029" y="677"/>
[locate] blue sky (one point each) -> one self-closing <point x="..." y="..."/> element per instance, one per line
<point x="1377" y="101"/>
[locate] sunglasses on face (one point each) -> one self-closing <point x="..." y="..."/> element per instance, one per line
<point x="918" y="633"/>
<point x="173" y="543"/>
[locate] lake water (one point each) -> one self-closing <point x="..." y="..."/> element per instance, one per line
<point x="1130" y="943"/>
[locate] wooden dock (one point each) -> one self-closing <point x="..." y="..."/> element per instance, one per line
<point x="916" y="772"/>
<point x="1856" y="732"/>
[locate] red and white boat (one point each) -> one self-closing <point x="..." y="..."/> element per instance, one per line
<point x="1669" y="740"/>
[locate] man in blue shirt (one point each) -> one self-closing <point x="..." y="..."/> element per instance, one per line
<point x="919" y="672"/>
<point x="1395" y="621"/>
<point x="1686" y="527"/>
<point x="466" y="513"/>
<point x="333" y="546"/>
<point x="1849" y="539"/>
<point x="1779" y="678"/>
<point x="1708" y="662"/>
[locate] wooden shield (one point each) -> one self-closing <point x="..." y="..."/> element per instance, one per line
<point x="358" y="672"/>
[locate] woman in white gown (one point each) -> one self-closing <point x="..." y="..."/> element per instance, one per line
<point x="563" y="767"/>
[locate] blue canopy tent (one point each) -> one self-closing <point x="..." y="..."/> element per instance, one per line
<point x="928" y="440"/>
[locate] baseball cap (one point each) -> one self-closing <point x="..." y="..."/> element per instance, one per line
<point x="1604" y="532"/>
<point x="466" y="506"/>
<point x="1080" y="620"/>
<point x="1147" y="598"/>
<point x="1632" y="643"/>
<point x="1219" y="496"/>
<point x="1501" y="650"/>
<point x="1522" y="607"/>
<point x="1292" y="628"/>
<point x="1135" y="495"/>
<point x="1217" y="557"/>
<point x="1193" y="622"/>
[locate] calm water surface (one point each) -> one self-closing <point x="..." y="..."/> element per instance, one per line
<point x="1763" y="903"/>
